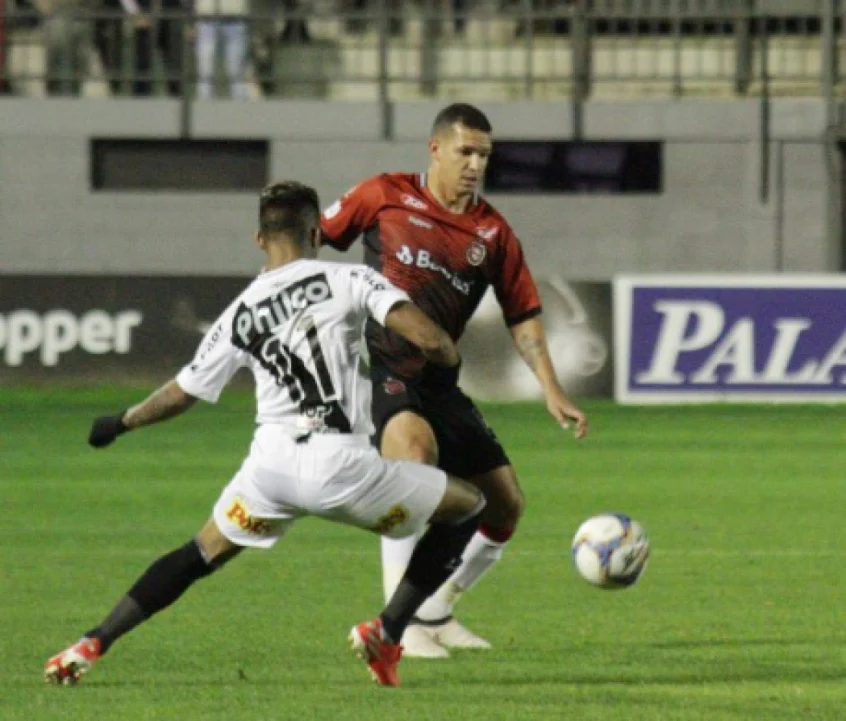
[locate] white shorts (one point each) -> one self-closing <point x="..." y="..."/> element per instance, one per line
<point x="338" y="477"/>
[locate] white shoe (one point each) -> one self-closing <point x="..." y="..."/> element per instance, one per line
<point x="452" y="634"/>
<point x="419" y="642"/>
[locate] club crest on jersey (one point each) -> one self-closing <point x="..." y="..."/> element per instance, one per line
<point x="393" y="386"/>
<point x="476" y="253"/>
<point x="413" y="202"/>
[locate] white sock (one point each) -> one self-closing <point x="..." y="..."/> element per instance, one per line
<point x="396" y="553"/>
<point x="481" y="553"/>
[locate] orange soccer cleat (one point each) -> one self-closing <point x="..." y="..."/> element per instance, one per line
<point x="68" y="666"/>
<point x="368" y="641"/>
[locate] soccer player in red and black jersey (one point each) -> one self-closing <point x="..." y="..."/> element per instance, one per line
<point x="432" y="235"/>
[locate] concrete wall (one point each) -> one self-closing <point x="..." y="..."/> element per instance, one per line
<point x="710" y="218"/>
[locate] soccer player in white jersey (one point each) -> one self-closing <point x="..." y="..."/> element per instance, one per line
<point x="298" y="328"/>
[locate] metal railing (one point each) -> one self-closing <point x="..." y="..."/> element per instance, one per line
<point x="396" y="49"/>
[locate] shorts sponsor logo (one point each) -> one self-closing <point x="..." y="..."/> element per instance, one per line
<point x="413" y="202"/>
<point x="393" y="386"/>
<point x="395" y="517"/>
<point x="476" y="253"/>
<point x="237" y="513"/>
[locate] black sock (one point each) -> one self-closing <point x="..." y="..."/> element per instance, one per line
<point x="159" y="586"/>
<point x="405" y="601"/>
<point x="125" y="616"/>
<point x="435" y="558"/>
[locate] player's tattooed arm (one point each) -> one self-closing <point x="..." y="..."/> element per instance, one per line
<point x="532" y="350"/>
<point x="530" y="339"/>
<point x="168" y="401"/>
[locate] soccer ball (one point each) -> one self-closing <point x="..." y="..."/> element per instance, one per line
<point x="610" y="550"/>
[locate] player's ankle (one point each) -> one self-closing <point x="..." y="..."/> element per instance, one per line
<point x="103" y="642"/>
<point x="430" y="622"/>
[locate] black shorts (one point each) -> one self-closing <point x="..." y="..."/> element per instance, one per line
<point x="467" y="446"/>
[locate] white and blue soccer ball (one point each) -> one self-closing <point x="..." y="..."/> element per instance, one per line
<point x="610" y="550"/>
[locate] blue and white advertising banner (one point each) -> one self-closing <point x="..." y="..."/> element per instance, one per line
<point x="749" y="338"/>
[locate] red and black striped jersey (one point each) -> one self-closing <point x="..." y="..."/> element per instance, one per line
<point x="445" y="261"/>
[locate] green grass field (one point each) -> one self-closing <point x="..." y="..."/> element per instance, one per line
<point x="741" y="614"/>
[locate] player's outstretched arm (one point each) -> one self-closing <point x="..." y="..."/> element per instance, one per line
<point x="530" y="339"/>
<point x="166" y="402"/>
<point x="416" y="327"/>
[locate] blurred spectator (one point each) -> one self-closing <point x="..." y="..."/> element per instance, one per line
<point x="226" y="21"/>
<point x="66" y="41"/>
<point x="272" y="30"/>
<point x="460" y="9"/>
<point x="363" y="15"/>
<point x="295" y="30"/>
<point x="551" y="17"/>
<point x="155" y="27"/>
<point x="108" y="39"/>
<point x="4" y="88"/>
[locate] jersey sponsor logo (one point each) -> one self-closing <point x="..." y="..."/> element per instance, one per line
<point x="393" y="386"/>
<point x="237" y="513"/>
<point x="476" y="253"/>
<point x="413" y="202"/>
<point x="375" y="280"/>
<point x="56" y="332"/>
<point x="486" y="233"/>
<point x="332" y="210"/>
<point x="314" y="420"/>
<point x="395" y="517"/>
<point x="303" y="372"/>
<point x="209" y="345"/>
<point x="252" y="322"/>
<point x="423" y="259"/>
<point x="405" y="256"/>
<point x="419" y="222"/>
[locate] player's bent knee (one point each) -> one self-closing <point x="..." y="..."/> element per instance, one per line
<point x="215" y="548"/>
<point x="409" y="437"/>
<point x="504" y="510"/>
<point x="506" y="502"/>
<point x="439" y="552"/>
<point x="460" y="501"/>
<point x="516" y="505"/>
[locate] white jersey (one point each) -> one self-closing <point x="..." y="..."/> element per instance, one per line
<point x="298" y="328"/>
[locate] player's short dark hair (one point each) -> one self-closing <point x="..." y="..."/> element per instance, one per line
<point x="467" y="115"/>
<point x="290" y="208"/>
